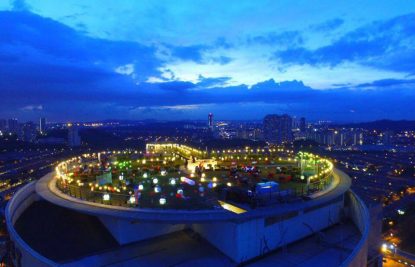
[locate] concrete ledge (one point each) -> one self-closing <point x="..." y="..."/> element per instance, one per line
<point x="360" y="216"/>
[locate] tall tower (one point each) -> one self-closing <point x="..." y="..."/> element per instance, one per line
<point x="74" y="140"/>
<point x="42" y="125"/>
<point x="210" y="121"/>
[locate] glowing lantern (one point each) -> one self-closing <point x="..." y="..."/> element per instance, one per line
<point x="106" y="197"/>
<point x="132" y="200"/>
<point x="157" y="189"/>
<point x="162" y="201"/>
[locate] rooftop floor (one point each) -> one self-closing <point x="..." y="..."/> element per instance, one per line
<point x="182" y="248"/>
<point x="330" y="248"/>
<point x="62" y="234"/>
<point x="185" y="249"/>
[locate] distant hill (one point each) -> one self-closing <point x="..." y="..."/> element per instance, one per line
<point x="384" y="125"/>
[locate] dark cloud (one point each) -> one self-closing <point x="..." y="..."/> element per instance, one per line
<point x="286" y="38"/>
<point x="222" y="43"/>
<point x="20" y="5"/>
<point x="189" y="53"/>
<point x="175" y="86"/>
<point x="328" y="25"/>
<point x="388" y="83"/>
<point x="199" y="53"/>
<point x="382" y="44"/>
<point x="210" y="82"/>
<point x="222" y="60"/>
<point x="38" y="40"/>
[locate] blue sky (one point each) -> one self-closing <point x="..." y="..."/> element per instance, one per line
<point x="89" y="60"/>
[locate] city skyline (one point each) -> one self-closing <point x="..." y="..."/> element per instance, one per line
<point x="349" y="62"/>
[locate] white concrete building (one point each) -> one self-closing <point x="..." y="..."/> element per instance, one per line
<point x="329" y="229"/>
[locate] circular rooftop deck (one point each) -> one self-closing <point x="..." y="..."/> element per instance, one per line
<point x="46" y="188"/>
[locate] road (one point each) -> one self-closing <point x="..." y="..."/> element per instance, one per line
<point x="397" y="261"/>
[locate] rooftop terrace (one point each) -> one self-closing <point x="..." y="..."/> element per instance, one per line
<point x="173" y="178"/>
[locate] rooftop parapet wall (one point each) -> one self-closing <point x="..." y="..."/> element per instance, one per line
<point x="22" y="253"/>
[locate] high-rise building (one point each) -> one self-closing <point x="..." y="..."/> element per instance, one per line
<point x="358" y="138"/>
<point x="278" y="129"/>
<point x="336" y="137"/>
<point x="13" y="126"/>
<point x="42" y="125"/>
<point x="28" y="133"/>
<point x="3" y="125"/>
<point x="74" y="139"/>
<point x="302" y="125"/>
<point x="210" y="121"/>
<point x="295" y="123"/>
<point x="386" y="138"/>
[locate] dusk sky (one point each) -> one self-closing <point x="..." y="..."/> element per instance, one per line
<point x="91" y="60"/>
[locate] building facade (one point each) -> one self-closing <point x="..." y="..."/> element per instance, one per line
<point x="74" y="140"/>
<point x="278" y="129"/>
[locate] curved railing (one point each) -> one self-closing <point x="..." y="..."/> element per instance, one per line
<point x="359" y="213"/>
<point x="124" y="200"/>
<point x="103" y="191"/>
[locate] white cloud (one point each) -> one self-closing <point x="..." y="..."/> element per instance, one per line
<point x="153" y="79"/>
<point x="174" y="108"/>
<point x="32" y="108"/>
<point x="127" y="69"/>
<point x="181" y="107"/>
